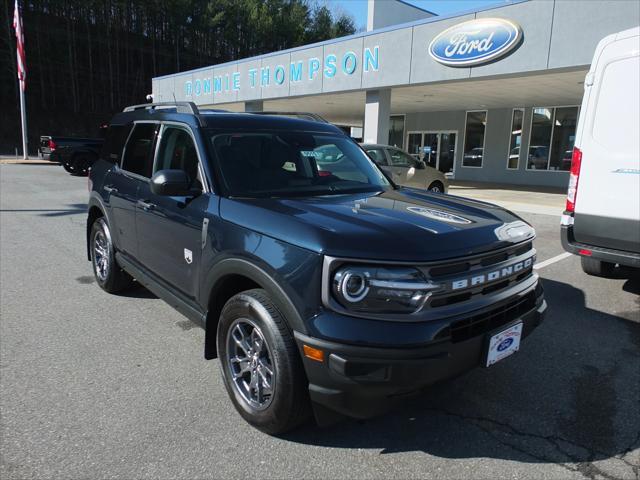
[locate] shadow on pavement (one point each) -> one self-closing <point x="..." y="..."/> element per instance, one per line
<point x="74" y="209"/>
<point x="569" y="397"/>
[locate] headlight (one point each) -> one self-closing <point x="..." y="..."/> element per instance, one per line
<point x="381" y="290"/>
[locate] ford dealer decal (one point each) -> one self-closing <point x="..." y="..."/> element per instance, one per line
<point x="475" y="42"/>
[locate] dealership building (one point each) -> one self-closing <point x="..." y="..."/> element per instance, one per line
<point x="491" y="95"/>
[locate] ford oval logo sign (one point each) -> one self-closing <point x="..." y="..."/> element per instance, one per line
<point x="475" y="42"/>
<point x="506" y="343"/>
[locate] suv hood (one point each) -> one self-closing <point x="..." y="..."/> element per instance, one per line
<point x="402" y="225"/>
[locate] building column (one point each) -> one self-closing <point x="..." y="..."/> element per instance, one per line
<point x="254" y="106"/>
<point x="377" y="110"/>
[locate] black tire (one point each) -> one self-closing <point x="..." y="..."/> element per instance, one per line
<point x="68" y="166"/>
<point x="436" y="187"/>
<point x="81" y="163"/>
<point x="109" y="275"/>
<point x="287" y="406"/>
<point x="597" y="268"/>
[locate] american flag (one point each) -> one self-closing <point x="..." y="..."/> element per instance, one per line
<point x="22" y="68"/>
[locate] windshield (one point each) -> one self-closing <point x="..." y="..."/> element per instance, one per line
<point x="279" y="164"/>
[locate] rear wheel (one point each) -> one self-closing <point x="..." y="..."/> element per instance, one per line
<point x="597" y="268"/>
<point x="81" y="163"/>
<point x="261" y="368"/>
<point x="436" y="187"/>
<point x="109" y="276"/>
<point x="68" y="166"/>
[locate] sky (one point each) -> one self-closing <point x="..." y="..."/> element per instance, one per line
<point x="358" y="8"/>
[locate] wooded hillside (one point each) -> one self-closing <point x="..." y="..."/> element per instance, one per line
<point x="88" y="58"/>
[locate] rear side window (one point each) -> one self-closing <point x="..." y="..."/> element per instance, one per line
<point x="138" y="156"/>
<point x="114" y="142"/>
<point x="616" y="117"/>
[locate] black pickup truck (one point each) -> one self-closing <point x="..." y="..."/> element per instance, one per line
<point x="76" y="155"/>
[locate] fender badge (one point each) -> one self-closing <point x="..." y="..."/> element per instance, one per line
<point x="188" y="256"/>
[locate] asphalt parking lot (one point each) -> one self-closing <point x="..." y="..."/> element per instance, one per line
<point x="100" y="386"/>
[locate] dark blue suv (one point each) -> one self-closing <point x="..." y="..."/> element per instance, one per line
<point x="323" y="287"/>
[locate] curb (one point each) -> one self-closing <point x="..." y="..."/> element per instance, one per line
<point x="13" y="161"/>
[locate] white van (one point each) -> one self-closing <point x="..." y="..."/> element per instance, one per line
<point x="602" y="218"/>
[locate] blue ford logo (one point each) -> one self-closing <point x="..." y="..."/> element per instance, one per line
<point x="475" y="42"/>
<point x="506" y="343"/>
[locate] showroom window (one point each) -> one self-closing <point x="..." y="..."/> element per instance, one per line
<point x="553" y="132"/>
<point x="396" y="131"/>
<point x="516" y="138"/>
<point x="474" y="138"/>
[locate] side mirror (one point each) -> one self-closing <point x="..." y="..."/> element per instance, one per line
<point x="171" y="183"/>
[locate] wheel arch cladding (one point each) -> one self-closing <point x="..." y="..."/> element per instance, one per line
<point x="232" y="276"/>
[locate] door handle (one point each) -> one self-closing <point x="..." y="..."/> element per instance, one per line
<point x="110" y="189"/>
<point x="147" y="207"/>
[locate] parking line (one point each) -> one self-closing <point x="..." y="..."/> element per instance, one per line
<point x="555" y="259"/>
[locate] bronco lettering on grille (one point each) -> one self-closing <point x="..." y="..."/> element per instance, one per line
<point x="498" y="274"/>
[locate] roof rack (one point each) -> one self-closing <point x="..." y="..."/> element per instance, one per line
<point x="192" y="108"/>
<point x="181" y="107"/>
<point x="304" y="115"/>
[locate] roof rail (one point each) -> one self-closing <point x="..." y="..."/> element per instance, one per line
<point x="181" y="107"/>
<point x="304" y="115"/>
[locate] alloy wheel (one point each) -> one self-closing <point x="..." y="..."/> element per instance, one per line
<point x="250" y="363"/>
<point x="101" y="255"/>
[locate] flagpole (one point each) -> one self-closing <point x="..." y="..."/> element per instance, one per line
<point x="23" y="113"/>
<point x="22" y="74"/>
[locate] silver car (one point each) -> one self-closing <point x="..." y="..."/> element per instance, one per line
<point x="405" y="169"/>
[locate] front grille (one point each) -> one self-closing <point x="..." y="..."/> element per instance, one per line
<point x="486" y="322"/>
<point x="471" y="267"/>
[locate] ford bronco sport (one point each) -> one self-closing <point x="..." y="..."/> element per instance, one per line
<point x="322" y="286"/>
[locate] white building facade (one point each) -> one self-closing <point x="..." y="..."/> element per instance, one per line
<point x="490" y="95"/>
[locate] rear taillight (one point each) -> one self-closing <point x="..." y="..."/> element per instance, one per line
<point x="52" y="145"/>
<point x="574" y="176"/>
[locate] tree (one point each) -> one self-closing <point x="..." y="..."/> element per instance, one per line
<point x="87" y="59"/>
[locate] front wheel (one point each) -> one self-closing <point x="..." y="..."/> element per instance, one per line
<point x="109" y="276"/>
<point x="261" y="368"/>
<point x="436" y="187"/>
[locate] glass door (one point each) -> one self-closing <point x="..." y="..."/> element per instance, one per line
<point x="436" y="149"/>
<point x="447" y="152"/>
<point x="430" y="148"/>
<point x="414" y="143"/>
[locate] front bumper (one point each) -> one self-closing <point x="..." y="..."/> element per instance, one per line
<point x="569" y="243"/>
<point x="362" y="381"/>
